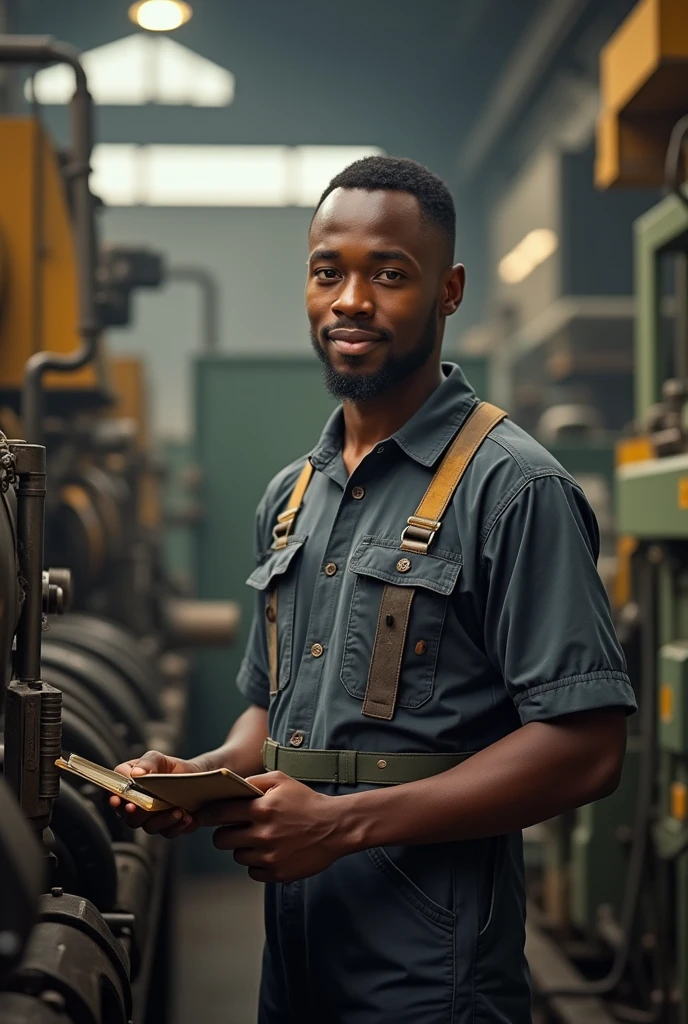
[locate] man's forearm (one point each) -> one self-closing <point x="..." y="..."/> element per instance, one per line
<point x="242" y="751"/>
<point x="529" y="776"/>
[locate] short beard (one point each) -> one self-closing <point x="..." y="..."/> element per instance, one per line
<point x="363" y="387"/>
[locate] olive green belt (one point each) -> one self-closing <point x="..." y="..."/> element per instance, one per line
<point x="351" y="766"/>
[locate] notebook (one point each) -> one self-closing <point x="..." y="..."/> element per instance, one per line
<point x="159" y="792"/>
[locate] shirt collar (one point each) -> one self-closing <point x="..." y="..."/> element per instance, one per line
<point x="426" y="435"/>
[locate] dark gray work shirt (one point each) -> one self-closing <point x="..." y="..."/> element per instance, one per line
<point x="510" y="622"/>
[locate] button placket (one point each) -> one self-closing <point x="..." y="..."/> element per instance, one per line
<point x="300" y="709"/>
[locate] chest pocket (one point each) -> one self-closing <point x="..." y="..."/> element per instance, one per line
<point x="277" y="577"/>
<point x="399" y="649"/>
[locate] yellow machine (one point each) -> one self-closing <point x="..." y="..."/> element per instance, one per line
<point x="38" y="269"/>
<point x="644" y="84"/>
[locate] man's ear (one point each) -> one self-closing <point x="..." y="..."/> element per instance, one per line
<point x="452" y="289"/>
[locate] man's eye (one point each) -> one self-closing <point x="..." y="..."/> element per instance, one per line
<point x="391" y="275"/>
<point x="326" y="274"/>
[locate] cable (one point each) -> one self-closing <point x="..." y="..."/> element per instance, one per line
<point x="672" y="166"/>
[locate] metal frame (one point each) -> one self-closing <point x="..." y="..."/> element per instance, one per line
<point x="662" y="229"/>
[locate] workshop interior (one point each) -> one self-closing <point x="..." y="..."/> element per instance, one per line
<point x="159" y="166"/>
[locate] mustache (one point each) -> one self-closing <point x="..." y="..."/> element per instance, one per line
<point x="354" y="325"/>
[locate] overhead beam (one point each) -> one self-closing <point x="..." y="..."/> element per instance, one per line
<point x="542" y="39"/>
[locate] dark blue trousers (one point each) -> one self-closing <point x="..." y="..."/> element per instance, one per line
<point x="401" y="935"/>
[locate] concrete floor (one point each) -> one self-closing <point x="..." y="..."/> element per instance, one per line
<point x="219" y="947"/>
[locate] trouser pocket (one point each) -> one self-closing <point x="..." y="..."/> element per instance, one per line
<point x="377" y="948"/>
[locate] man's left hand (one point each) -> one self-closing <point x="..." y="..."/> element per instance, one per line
<point x="289" y="833"/>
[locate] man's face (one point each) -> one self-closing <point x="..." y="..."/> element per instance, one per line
<point x="376" y="290"/>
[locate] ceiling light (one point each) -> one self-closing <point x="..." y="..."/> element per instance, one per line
<point x="160" y="15"/>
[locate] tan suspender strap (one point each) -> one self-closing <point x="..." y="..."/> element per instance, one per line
<point x="395" y="604"/>
<point x="285" y="520"/>
<point x="427" y="520"/>
<point x="271" y="629"/>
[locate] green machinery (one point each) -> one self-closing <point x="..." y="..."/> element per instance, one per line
<point x="611" y="915"/>
<point x="652" y="507"/>
<point x="608" y="932"/>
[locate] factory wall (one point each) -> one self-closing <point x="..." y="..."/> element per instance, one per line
<point x="258" y="258"/>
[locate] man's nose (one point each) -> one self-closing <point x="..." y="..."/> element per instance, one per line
<point x="354" y="300"/>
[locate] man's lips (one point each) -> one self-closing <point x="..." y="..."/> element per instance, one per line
<point x="353" y="342"/>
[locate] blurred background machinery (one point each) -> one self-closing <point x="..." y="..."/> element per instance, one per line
<point x="109" y="678"/>
<point x="608" y="928"/>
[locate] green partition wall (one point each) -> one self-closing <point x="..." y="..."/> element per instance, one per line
<point x="253" y="416"/>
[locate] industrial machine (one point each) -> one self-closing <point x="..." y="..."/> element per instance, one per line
<point x="608" y="934"/>
<point x="94" y="654"/>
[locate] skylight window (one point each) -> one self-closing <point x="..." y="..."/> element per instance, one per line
<point x="140" y="68"/>
<point x="159" y="175"/>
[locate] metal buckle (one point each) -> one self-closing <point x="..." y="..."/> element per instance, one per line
<point x="280" y="533"/>
<point x="282" y="528"/>
<point x="419" y="534"/>
<point x="289" y="513"/>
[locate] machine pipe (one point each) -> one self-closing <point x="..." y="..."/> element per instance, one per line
<point x="33" y="726"/>
<point x="30" y="470"/>
<point x="209" y="297"/>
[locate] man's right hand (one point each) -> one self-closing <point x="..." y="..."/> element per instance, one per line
<point x="171" y="823"/>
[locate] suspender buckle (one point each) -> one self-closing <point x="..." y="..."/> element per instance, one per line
<point x="419" y="534"/>
<point x="282" y="528"/>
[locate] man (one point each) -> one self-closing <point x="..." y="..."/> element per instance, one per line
<point x="487" y="635"/>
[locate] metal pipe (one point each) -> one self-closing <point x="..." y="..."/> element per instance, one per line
<point x="192" y="623"/>
<point x="518" y="81"/>
<point x="210" y="298"/>
<point x="681" y="317"/>
<point x="672" y="166"/>
<point x="33" y="717"/>
<point x="30" y="470"/>
<point x="44" y="50"/>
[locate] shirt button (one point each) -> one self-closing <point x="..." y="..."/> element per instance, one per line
<point x="357" y="493"/>
<point x="403" y="565"/>
<point x="296" y="739"/>
<point x="330" y="569"/>
<point x="270" y="613"/>
<point x="381" y="449"/>
<point x="421" y="647"/>
<point x="317" y="650"/>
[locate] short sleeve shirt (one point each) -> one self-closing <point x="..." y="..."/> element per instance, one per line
<point x="509" y="623"/>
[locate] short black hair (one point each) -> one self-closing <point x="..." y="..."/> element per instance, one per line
<point x="399" y="174"/>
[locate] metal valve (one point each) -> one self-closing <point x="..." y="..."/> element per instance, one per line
<point x="57" y="591"/>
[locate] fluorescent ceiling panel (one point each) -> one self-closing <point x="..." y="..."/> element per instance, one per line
<point x="315" y="166"/>
<point x="138" y="69"/>
<point x="216" y="175"/>
<point x="115" y="175"/>
<point x="167" y="175"/>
